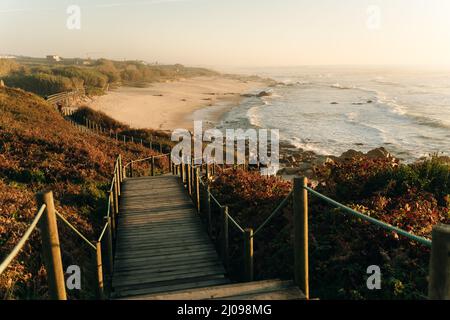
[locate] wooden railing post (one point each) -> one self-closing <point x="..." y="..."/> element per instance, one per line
<point x="170" y="164"/>
<point x="189" y="179"/>
<point x="208" y="208"/>
<point x="248" y="255"/>
<point x="224" y="235"/>
<point x="131" y="169"/>
<point x="439" y="284"/>
<point x="51" y="247"/>
<point x="109" y="246"/>
<point x="181" y="165"/>
<point x="99" y="263"/>
<point x="152" y="166"/>
<point x="197" y="188"/>
<point x="113" y="213"/>
<point x="116" y="193"/>
<point x="301" y="257"/>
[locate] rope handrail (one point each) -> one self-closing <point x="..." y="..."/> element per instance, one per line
<point x="235" y="223"/>
<point x="103" y="232"/>
<point x="147" y="158"/>
<point x="22" y="241"/>
<point x="220" y="206"/>
<point x="75" y="230"/>
<point x="274" y="212"/>
<point x="421" y="240"/>
<point x="108" y="210"/>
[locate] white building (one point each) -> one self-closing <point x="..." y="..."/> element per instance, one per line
<point x="54" y="58"/>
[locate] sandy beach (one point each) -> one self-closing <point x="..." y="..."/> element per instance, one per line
<point x="171" y="105"/>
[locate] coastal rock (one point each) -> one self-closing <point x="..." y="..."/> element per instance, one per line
<point x="334" y="102"/>
<point x="263" y="94"/>
<point x="351" y="154"/>
<point x="304" y="166"/>
<point x="321" y="160"/>
<point x="378" y="153"/>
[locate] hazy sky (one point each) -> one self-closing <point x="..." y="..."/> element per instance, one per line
<point x="234" y="32"/>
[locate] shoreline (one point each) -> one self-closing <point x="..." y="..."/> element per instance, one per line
<point x="176" y="104"/>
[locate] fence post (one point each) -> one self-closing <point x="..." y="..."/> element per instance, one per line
<point x="116" y="194"/>
<point x="113" y="212"/>
<point x="131" y="169"/>
<point x="301" y="259"/>
<point x="439" y="285"/>
<point x="51" y="248"/>
<point x="109" y="246"/>
<point x="197" y="188"/>
<point x="152" y="169"/>
<point x="208" y="208"/>
<point x="122" y="172"/>
<point x="181" y="165"/>
<point x="189" y="178"/>
<point x="248" y="255"/>
<point x="224" y="235"/>
<point x="98" y="245"/>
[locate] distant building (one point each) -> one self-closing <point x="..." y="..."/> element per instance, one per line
<point x="53" y="58"/>
<point x="7" y="57"/>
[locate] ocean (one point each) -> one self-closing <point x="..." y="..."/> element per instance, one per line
<point x="330" y="110"/>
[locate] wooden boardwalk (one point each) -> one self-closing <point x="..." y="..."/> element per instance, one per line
<point x="161" y="242"/>
<point x="164" y="252"/>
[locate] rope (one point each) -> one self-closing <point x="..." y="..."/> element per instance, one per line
<point x="277" y="209"/>
<point x="75" y="230"/>
<point x="148" y="158"/>
<point x="220" y="206"/>
<point x="421" y="240"/>
<point x="22" y="241"/>
<point x="103" y="232"/>
<point x="235" y="223"/>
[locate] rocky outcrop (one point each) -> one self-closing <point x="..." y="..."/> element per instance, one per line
<point x="378" y="153"/>
<point x="263" y="94"/>
<point x="258" y="95"/>
<point x="351" y="154"/>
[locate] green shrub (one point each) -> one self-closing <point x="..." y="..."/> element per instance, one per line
<point x="40" y="83"/>
<point x="90" y="77"/>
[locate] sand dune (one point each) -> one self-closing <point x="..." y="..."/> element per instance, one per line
<point x="171" y="105"/>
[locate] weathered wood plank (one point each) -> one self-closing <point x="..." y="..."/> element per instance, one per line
<point x="161" y="242"/>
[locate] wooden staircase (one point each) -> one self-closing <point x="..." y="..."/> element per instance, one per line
<point x="164" y="252"/>
<point x="256" y="290"/>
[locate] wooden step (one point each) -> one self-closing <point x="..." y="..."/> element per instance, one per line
<point x="257" y="290"/>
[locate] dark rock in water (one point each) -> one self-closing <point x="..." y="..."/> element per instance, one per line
<point x="247" y="95"/>
<point x="334" y="102"/>
<point x="378" y="153"/>
<point x="351" y="154"/>
<point x="263" y="94"/>
<point x="359" y="144"/>
<point x="369" y="101"/>
<point x="357" y="103"/>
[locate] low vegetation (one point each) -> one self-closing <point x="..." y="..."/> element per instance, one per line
<point x="413" y="197"/>
<point x="115" y="127"/>
<point x="40" y="150"/>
